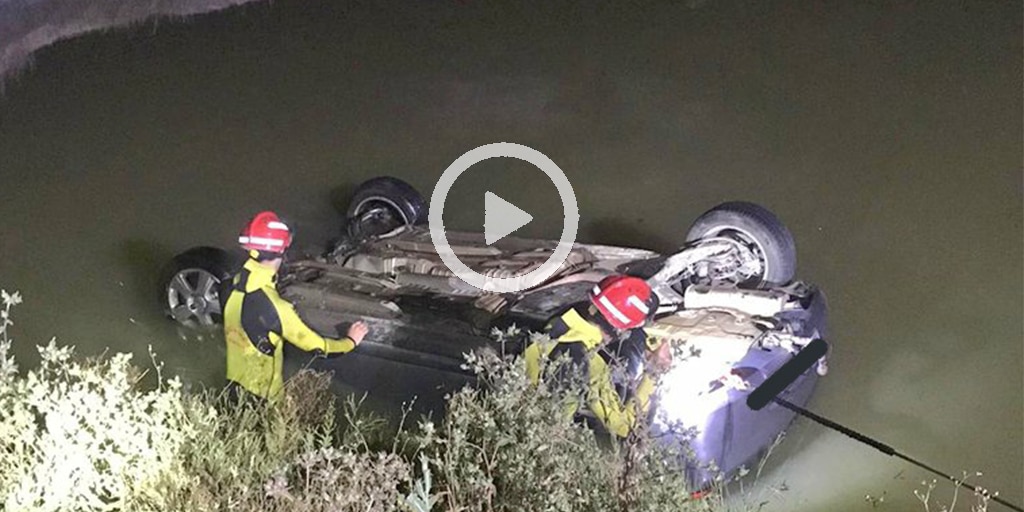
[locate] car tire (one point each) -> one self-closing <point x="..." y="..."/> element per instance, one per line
<point x="752" y="224"/>
<point x="194" y="286"/>
<point x="383" y="204"/>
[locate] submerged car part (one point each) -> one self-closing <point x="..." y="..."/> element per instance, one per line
<point x="192" y="283"/>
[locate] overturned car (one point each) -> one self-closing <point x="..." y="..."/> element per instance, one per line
<point x="727" y="298"/>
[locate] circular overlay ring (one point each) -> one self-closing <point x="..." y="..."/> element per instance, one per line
<point x="570" y="210"/>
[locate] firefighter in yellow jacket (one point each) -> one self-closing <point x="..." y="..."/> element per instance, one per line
<point x="596" y="337"/>
<point x="257" y="320"/>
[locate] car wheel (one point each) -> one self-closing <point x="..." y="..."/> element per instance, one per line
<point x="383" y="204"/>
<point x="758" y="229"/>
<point x="193" y="286"/>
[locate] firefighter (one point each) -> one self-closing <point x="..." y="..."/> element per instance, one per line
<point x="595" y="336"/>
<point x="257" y="320"/>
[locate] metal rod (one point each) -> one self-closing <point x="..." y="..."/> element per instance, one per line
<point x="886" y="449"/>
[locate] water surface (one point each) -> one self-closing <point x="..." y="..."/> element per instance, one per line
<point x="888" y="138"/>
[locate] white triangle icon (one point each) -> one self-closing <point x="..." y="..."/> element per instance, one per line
<point x="501" y="218"/>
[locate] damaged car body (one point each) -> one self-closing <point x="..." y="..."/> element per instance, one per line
<point x="728" y="300"/>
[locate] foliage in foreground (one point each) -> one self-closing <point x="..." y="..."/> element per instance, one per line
<point x="114" y="443"/>
<point x="89" y="435"/>
<point x="512" y="447"/>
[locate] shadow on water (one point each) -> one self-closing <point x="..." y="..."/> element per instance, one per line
<point x="340" y="195"/>
<point x="626" y="233"/>
<point x="144" y="260"/>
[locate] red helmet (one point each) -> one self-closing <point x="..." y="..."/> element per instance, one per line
<point x="626" y="302"/>
<point x="266" y="232"/>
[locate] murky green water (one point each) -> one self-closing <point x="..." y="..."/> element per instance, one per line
<point x="888" y="139"/>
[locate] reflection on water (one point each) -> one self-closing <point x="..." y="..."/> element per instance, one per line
<point x="888" y="141"/>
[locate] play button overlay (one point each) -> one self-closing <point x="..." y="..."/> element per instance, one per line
<point x="502" y="217"/>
